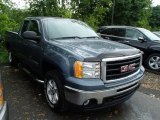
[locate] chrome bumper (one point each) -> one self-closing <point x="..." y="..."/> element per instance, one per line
<point x="79" y="97"/>
<point x="4" y="113"/>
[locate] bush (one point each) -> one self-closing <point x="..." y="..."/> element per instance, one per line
<point x="3" y="55"/>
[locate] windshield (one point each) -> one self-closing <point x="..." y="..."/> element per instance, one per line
<point x="157" y="33"/>
<point x="149" y="34"/>
<point x="67" y="28"/>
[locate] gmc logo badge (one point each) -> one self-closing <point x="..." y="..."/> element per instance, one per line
<point x="127" y="68"/>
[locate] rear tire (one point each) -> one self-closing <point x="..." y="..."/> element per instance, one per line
<point x="153" y="62"/>
<point x="54" y="92"/>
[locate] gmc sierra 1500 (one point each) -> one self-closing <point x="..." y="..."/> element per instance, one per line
<point x="74" y="63"/>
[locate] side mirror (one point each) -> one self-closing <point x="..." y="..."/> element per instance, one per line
<point x="31" y="35"/>
<point x="142" y="39"/>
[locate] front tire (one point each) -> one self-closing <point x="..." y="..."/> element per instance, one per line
<point x="54" y="92"/>
<point x="153" y="62"/>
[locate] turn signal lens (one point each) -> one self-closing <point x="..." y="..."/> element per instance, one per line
<point x="1" y="95"/>
<point x="87" y="69"/>
<point x="78" y="69"/>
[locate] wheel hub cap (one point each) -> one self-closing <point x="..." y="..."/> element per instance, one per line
<point x="154" y="62"/>
<point x="52" y="92"/>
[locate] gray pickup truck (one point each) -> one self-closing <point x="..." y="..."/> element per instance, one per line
<point x="74" y="63"/>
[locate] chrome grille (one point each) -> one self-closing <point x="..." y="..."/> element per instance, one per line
<point x="113" y="67"/>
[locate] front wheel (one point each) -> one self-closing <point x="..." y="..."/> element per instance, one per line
<point x="153" y="62"/>
<point x="54" y="92"/>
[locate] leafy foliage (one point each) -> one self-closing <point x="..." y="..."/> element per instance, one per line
<point x="94" y="12"/>
<point x="90" y="11"/>
<point x="155" y="18"/>
<point x="3" y="54"/>
<point x="132" y="12"/>
<point x="56" y="8"/>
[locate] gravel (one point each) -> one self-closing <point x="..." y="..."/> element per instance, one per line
<point x="151" y="81"/>
<point x="150" y="84"/>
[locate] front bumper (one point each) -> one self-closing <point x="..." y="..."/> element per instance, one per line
<point x="81" y="97"/>
<point x="107" y="101"/>
<point x="4" y="113"/>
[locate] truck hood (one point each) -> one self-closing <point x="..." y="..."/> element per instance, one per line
<point x="96" y="49"/>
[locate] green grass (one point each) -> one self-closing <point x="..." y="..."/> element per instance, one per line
<point x="3" y="55"/>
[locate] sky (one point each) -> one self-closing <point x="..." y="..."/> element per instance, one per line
<point x="156" y="2"/>
<point x="21" y="3"/>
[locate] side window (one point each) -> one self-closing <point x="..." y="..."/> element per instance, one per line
<point x="34" y="27"/>
<point x="25" y="26"/>
<point x="133" y="34"/>
<point x="108" y="31"/>
<point x="120" y="32"/>
<point x="103" y="31"/>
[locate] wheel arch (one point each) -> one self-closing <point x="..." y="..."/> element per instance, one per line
<point x="48" y="66"/>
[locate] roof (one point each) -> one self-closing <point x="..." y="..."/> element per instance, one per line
<point x="118" y="26"/>
<point x="44" y="17"/>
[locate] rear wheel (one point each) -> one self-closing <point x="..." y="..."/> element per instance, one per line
<point x="153" y="62"/>
<point x="54" y="92"/>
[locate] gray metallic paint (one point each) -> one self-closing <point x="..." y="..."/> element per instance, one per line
<point x="64" y="53"/>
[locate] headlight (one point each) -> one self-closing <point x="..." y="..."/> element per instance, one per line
<point x="87" y="69"/>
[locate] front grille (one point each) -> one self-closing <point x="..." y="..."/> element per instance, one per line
<point x="113" y="68"/>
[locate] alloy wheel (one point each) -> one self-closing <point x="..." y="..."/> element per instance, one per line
<point x="154" y="62"/>
<point x="52" y="92"/>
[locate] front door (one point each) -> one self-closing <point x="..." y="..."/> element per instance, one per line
<point x="132" y="38"/>
<point x="34" y="51"/>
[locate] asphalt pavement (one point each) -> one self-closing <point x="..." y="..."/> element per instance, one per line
<point x="26" y="101"/>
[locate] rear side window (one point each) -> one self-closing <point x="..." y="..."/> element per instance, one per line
<point x="107" y="31"/>
<point x="120" y="32"/>
<point x="110" y="31"/>
<point x="25" y="26"/>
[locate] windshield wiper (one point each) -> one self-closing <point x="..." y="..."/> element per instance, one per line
<point x="72" y="37"/>
<point x="92" y="37"/>
<point x="75" y="37"/>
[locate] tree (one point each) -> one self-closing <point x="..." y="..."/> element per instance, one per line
<point x="5" y="22"/>
<point x="130" y="12"/>
<point x="90" y="11"/>
<point x="155" y="18"/>
<point x="55" y="8"/>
